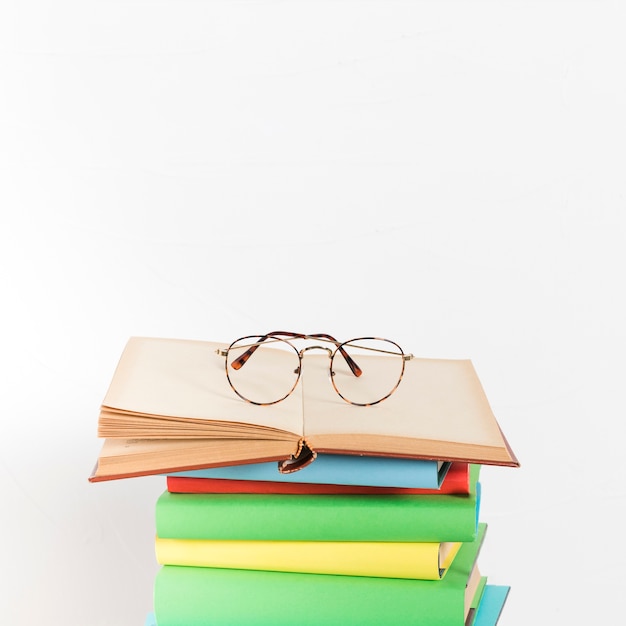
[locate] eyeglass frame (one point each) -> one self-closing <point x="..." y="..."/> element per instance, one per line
<point x="241" y="360"/>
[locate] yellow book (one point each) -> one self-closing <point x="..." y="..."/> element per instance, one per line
<point x="427" y="561"/>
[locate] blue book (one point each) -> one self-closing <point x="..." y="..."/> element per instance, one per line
<point x="339" y="469"/>
<point x="490" y="607"/>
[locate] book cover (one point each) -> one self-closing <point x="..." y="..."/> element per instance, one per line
<point x="342" y="469"/>
<point x="491" y="604"/>
<point x="487" y="613"/>
<point x="200" y="596"/>
<point x="332" y="517"/>
<point x="168" y="390"/>
<point x="456" y="482"/>
<point x="426" y="560"/>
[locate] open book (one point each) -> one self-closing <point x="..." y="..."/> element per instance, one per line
<point x="170" y="408"/>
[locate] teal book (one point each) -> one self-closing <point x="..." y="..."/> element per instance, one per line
<point x="339" y="469"/>
<point x="202" y="596"/>
<point x="491" y="605"/>
<point x="328" y="517"/>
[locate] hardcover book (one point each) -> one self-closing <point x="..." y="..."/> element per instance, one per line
<point x="170" y="408"/>
<point x="342" y="469"/>
<point x="487" y="613"/>
<point x="423" y="560"/>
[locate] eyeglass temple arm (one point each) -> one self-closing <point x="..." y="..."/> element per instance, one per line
<point x="240" y="361"/>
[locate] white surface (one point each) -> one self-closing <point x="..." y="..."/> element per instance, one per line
<point x="449" y="175"/>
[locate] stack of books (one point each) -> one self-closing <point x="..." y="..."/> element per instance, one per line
<point x="381" y="526"/>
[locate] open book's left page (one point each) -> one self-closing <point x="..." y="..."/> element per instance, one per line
<point x="123" y="458"/>
<point x="162" y="383"/>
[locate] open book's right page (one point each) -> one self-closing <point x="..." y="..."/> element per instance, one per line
<point x="438" y="411"/>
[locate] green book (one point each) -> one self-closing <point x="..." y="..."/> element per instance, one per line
<point x="490" y="600"/>
<point x="203" y="596"/>
<point x="308" y="517"/>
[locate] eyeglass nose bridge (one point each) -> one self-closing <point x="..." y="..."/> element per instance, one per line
<point x="330" y="352"/>
<point x="301" y="354"/>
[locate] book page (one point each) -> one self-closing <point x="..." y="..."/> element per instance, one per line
<point x="186" y="378"/>
<point x="438" y="399"/>
<point x="123" y="458"/>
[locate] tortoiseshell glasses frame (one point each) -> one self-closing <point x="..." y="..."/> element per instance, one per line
<point x="343" y="364"/>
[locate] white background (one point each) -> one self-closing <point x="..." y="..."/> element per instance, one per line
<point x="449" y="175"/>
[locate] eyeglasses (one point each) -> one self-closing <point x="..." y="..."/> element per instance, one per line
<point x="265" y="369"/>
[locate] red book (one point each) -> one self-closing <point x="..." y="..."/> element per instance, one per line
<point x="456" y="482"/>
